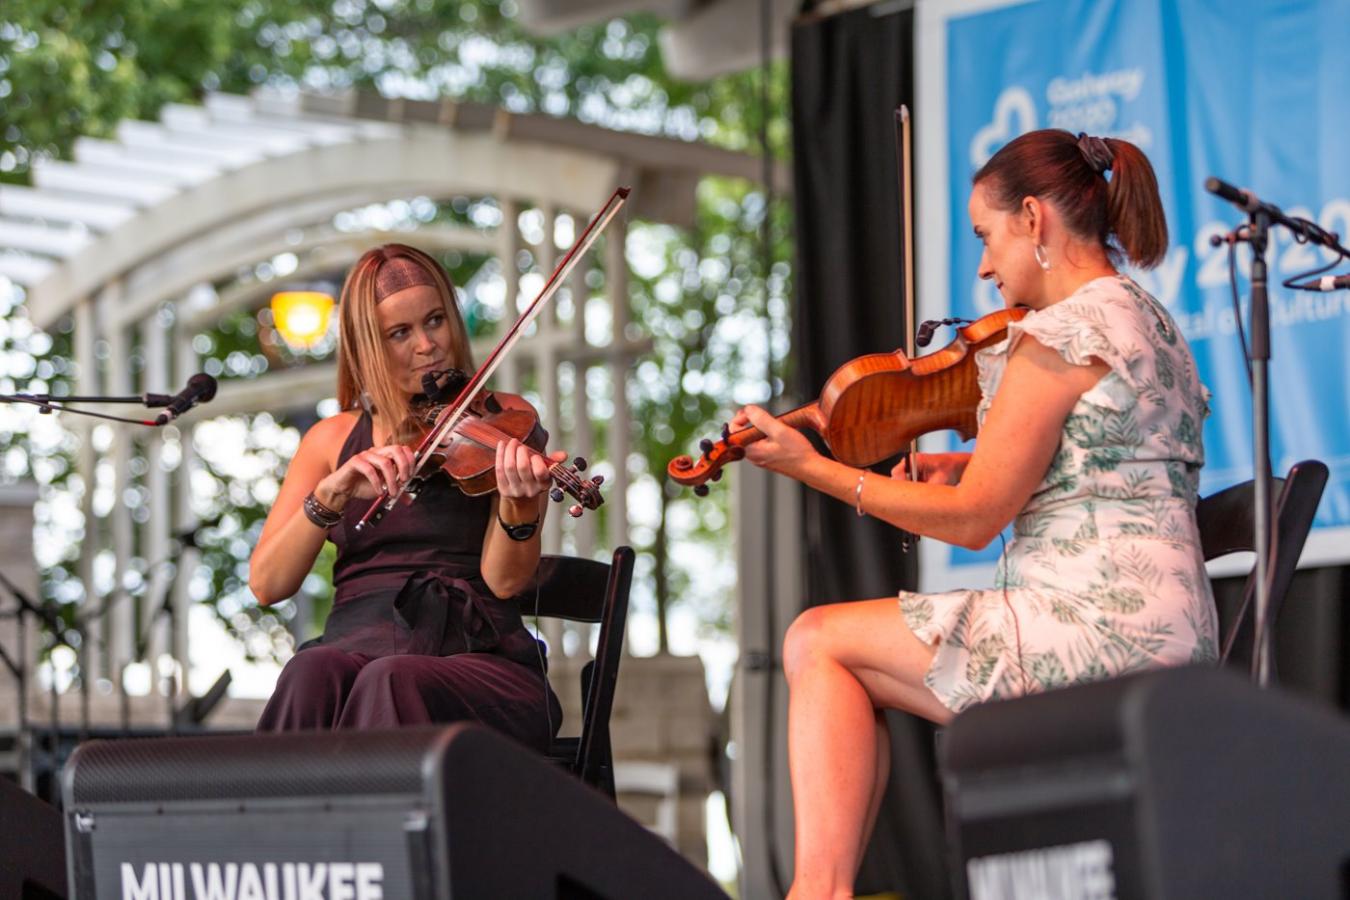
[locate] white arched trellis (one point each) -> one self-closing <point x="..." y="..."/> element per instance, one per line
<point x="124" y="239"/>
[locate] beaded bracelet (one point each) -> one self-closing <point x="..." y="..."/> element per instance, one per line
<point x="319" y="514"/>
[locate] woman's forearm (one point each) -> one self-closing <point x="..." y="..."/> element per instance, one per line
<point x="282" y="559"/>
<point x="507" y="565"/>
<point x="935" y="510"/>
<point x="286" y="552"/>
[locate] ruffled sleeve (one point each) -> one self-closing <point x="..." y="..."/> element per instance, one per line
<point x="1083" y="331"/>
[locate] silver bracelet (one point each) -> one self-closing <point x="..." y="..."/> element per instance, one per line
<point x="319" y="514"/>
<point x="857" y="495"/>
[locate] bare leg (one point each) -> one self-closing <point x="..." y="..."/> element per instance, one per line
<point x="881" y="776"/>
<point x="843" y="662"/>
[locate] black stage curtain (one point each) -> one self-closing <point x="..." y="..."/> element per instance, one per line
<point x="849" y="73"/>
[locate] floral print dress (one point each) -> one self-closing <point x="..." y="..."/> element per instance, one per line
<point x="1104" y="573"/>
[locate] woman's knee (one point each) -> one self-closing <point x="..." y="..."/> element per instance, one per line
<point x="805" y="639"/>
<point x="318" y="665"/>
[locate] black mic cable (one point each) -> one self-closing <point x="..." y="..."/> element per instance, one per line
<point x="1325" y="284"/>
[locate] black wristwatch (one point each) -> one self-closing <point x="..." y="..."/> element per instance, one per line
<point x="522" y="532"/>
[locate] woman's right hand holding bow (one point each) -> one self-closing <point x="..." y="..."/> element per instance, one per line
<point x="931" y="468"/>
<point x="372" y="473"/>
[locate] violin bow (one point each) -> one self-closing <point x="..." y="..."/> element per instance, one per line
<point x="903" y="161"/>
<point x="903" y="164"/>
<point x="437" y="435"/>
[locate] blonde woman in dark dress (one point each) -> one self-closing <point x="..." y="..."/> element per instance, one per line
<point x="422" y="628"/>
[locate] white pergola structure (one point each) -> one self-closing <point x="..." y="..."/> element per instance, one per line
<point x="121" y="237"/>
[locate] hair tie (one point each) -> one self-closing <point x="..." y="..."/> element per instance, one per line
<point x="1095" y="151"/>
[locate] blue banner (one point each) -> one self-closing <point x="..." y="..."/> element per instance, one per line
<point x="1251" y="91"/>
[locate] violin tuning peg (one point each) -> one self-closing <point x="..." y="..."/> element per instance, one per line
<point x="597" y="480"/>
<point x="706" y="446"/>
<point x="574" y="511"/>
<point x="701" y="490"/>
<point x="717" y="476"/>
<point x="579" y="464"/>
<point x="726" y="431"/>
<point x="555" y="494"/>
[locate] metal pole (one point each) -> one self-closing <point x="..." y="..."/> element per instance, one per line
<point x="1260" y="359"/>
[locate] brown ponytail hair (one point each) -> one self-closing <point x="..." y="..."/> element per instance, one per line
<point x="1123" y="213"/>
<point x="363" y="366"/>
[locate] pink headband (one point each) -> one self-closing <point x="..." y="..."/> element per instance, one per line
<point x="399" y="273"/>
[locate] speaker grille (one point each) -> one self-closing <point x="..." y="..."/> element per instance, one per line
<point x="252" y="766"/>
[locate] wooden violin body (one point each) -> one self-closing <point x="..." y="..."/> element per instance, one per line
<point x="874" y="406"/>
<point x="467" y="452"/>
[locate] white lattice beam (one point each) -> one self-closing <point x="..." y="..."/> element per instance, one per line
<point x="53" y="206"/>
<point x="42" y="239"/>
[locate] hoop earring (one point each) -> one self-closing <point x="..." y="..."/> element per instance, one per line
<point x="1041" y="259"/>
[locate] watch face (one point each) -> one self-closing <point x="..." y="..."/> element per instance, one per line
<point x="522" y="532"/>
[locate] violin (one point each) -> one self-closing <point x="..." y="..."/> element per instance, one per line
<point x="874" y="406"/>
<point x="463" y="435"/>
<point x="467" y="451"/>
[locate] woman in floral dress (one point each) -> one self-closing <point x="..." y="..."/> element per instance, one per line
<point x="1089" y="446"/>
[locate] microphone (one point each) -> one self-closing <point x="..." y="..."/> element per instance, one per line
<point x="200" y="388"/>
<point x="437" y="391"/>
<point x="1242" y="198"/>
<point x="1248" y="202"/>
<point x="1325" y="284"/>
<point x="924" y="335"/>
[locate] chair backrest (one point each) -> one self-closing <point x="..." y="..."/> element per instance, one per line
<point x="1227" y="522"/>
<point x="583" y="590"/>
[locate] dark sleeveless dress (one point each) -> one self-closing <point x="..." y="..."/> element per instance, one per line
<point x="415" y="636"/>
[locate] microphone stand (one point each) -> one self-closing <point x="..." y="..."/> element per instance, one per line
<point x="1258" y="233"/>
<point x="23" y="740"/>
<point x="48" y="404"/>
<point x="19" y="669"/>
<point x="1261" y="216"/>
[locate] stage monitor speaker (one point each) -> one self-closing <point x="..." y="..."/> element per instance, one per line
<point x="1185" y="783"/>
<point x="32" y="848"/>
<point x="449" y="812"/>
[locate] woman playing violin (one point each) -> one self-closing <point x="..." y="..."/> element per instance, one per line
<point x="1089" y="446"/>
<point x="422" y="627"/>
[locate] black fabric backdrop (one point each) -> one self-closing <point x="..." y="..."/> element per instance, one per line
<point x="849" y="72"/>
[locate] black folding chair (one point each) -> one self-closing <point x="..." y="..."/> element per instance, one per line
<point x="583" y="590"/>
<point x="1227" y="525"/>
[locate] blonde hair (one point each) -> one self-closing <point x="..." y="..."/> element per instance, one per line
<point x="363" y="362"/>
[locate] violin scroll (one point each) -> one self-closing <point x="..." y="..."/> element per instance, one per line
<point x="567" y="481"/>
<point x="696" y="474"/>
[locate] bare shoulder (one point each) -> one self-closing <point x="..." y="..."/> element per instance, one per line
<point x="324" y="439"/>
